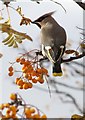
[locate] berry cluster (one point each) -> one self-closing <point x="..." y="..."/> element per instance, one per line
<point x="11" y="72"/>
<point x="13" y="109"/>
<point x="32" y="73"/>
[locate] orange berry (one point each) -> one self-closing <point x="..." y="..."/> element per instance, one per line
<point x="39" y="70"/>
<point x="36" y="116"/>
<point x="10" y="73"/>
<point x="30" y="84"/>
<point x="32" y="110"/>
<point x="33" y="73"/>
<point x="18" y="60"/>
<point x="25" y="75"/>
<point x="25" y="86"/>
<point x="39" y="78"/>
<point x="24" y="69"/>
<point x="20" y="87"/>
<point x="7" y="116"/>
<point x="28" y="116"/>
<point x="20" y="82"/>
<point x="6" y="105"/>
<point x="13" y="96"/>
<point x="34" y="80"/>
<point x="17" y="79"/>
<point x="30" y="68"/>
<point x="44" y="116"/>
<point x="44" y="71"/>
<point x="41" y="81"/>
<point x="10" y="69"/>
<point x="29" y="77"/>
<point x="13" y="108"/>
<point x="27" y="112"/>
<point x="1" y="106"/>
<point x="27" y="62"/>
<point x="8" y="111"/>
<point x="14" y="116"/>
<point x="37" y="74"/>
<point x="22" y="61"/>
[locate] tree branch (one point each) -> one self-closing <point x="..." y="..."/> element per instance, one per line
<point x="77" y="63"/>
<point x="68" y="86"/>
<point x="81" y="4"/>
<point x="73" y="58"/>
<point x="71" y="97"/>
<point x="66" y="60"/>
<point x="63" y="93"/>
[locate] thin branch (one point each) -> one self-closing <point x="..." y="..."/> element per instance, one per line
<point x="71" y="97"/>
<point x="81" y="4"/>
<point x="68" y="86"/>
<point x="66" y="60"/>
<point x="77" y="70"/>
<point x="77" y="63"/>
<point x="73" y="58"/>
<point x="68" y="95"/>
<point x="80" y="28"/>
<point x="59" y="4"/>
<point x="63" y="93"/>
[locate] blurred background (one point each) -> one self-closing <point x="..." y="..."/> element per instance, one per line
<point x="66" y="91"/>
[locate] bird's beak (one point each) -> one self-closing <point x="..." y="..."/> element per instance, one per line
<point x="37" y="23"/>
<point x="33" y="22"/>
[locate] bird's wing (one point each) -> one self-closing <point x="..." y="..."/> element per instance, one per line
<point x="50" y="54"/>
<point x="61" y="52"/>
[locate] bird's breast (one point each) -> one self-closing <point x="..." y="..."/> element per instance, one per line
<point x="46" y="39"/>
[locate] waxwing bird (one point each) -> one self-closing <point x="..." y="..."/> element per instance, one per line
<point x="53" y="40"/>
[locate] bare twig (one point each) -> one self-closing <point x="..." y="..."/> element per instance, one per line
<point x="80" y="28"/>
<point x="82" y="73"/>
<point x="59" y="4"/>
<point x="66" y="60"/>
<point x="72" y="98"/>
<point x="63" y="93"/>
<point x="77" y="63"/>
<point x="81" y="4"/>
<point x="73" y="58"/>
<point x="68" y="86"/>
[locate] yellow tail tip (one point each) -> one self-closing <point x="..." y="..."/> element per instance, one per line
<point x="57" y="74"/>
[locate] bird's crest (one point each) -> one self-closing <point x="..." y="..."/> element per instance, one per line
<point x="44" y="16"/>
<point x="48" y="14"/>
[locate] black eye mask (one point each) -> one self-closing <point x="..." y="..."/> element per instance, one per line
<point x="41" y="18"/>
<point x="38" y="25"/>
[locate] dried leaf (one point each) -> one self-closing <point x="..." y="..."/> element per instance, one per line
<point x="5" y="40"/>
<point x="14" y="36"/>
<point x="71" y="52"/>
<point x="15" y="45"/>
<point x="19" y="10"/>
<point x="25" y="21"/>
<point x="76" y="53"/>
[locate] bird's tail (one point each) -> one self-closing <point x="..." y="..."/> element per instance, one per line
<point x="57" y="69"/>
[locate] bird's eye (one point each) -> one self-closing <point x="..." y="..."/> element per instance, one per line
<point x="40" y="19"/>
